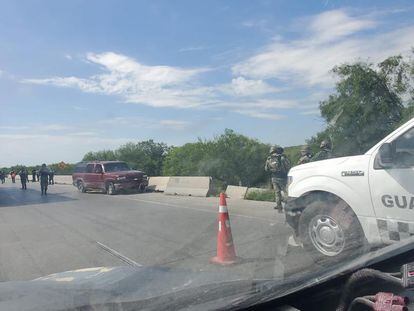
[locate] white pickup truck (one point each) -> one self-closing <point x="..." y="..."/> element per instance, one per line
<point x="340" y="207"/>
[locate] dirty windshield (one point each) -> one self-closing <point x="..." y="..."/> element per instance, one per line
<point x="200" y="148"/>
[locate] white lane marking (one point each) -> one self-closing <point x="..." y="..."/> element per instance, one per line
<point x="196" y="209"/>
<point x="119" y="255"/>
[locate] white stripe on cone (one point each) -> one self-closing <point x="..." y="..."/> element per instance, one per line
<point x="223" y="209"/>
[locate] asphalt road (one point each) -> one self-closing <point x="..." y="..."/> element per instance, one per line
<point x="69" y="230"/>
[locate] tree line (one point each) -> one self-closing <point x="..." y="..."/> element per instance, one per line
<point x="369" y="101"/>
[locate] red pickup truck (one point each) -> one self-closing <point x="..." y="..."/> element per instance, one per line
<point x="108" y="176"/>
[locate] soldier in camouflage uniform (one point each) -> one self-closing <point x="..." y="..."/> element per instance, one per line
<point x="278" y="165"/>
<point x="325" y="153"/>
<point x="305" y="155"/>
<point x="44" y="178"/>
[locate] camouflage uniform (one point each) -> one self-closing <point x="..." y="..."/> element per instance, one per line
<point x="23" y="178"/>
<point x="278" y="164"/>
<point x="306" y="155"/>
<point x="51" y="177"/>
<point x="325" y="153"/>
<point x="44" y="176"/>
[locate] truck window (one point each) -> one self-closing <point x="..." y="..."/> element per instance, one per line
<point x="404" y="149"/>
<point x="98" y="169"/>
<point x="89" y="168"/>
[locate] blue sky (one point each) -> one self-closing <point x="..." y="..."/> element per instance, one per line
<point x="89" y="75"/>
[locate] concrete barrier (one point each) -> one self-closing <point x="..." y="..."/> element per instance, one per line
<point x="59" y="179"/>
<point x="63" y="179"/>
<point x="158" y="183"/>
<point x="189" y="185"/>
<point x="236" y="192"/>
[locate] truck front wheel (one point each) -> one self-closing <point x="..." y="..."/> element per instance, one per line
<point x="330" y="232"/>
<point x="110" y="188"/>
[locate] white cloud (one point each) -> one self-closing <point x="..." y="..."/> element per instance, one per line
<point x="241" y="86"/>
<point x="331" y="40"/>
<point x="68" y="56"/>
<point x="158" y="86"/>
<point x="35" y="128"/>
<point x="141" y="122"/>
<point x="335" y="24"/>
<point x="315" y="112"/>
<point x="192" y="48"/>
<point x="175" y="124"/>
<point x="304" y="64"/>
<point x="260" y="24"/>
<point x="260" y="115"/>
<point x="79" y="108"/>
<point x="13" y="127"/>
<point x="262" y="104"/>
<point x="53" y="127"/>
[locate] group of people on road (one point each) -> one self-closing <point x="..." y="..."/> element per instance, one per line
<point x="279" y="165"/>
<point x="44" y="175"/>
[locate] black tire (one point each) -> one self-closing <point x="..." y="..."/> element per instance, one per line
<point x="81" y="186"/>
<point x="330" y="232"/>
<point x="141" y="189"/>
<point x="110" y="188"/>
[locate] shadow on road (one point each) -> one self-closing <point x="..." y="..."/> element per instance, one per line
<point x="13" y="196"/>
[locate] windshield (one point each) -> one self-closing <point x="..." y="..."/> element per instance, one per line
<point x="116" y="167"/>
<point x="249" y="123"/>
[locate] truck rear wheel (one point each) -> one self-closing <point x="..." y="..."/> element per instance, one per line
<point x="330" y="232"/>
<point x="81" y="186"/>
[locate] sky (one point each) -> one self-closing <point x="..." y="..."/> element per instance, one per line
<point x="77" y="76"/>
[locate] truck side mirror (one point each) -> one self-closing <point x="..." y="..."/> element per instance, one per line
<point x="386" y="155"/>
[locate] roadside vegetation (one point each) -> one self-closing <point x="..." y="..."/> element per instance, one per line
<point x="369" y="101"/>
<point x="262" y="195"/>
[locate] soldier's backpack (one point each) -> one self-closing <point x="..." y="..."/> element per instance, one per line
<point x="279" y="165"/>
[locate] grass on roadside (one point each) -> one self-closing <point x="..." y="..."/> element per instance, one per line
<point x="264" y="195"/>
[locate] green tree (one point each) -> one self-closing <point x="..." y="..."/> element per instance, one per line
<point x="230" y="158"/>
<point x="186" y="160"/>
<point x="365" y="107"/>
<point x="103" y="155"/>
<point x="146" y="155"/>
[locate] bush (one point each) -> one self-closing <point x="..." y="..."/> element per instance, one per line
<point x="262" y="195"/>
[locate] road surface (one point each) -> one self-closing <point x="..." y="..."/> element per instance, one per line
<point x="70" y="230"/>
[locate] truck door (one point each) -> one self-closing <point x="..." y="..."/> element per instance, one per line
<point x="392" y="186"/>
<point x="95" y="176"/>
<point x="88" y="178"/>
<point x="98" y="177"/>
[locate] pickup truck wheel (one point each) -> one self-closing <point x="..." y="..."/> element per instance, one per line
<point x="81" y="186"/>
<point x="330" y="232"/>
<point x="110" y="188"/>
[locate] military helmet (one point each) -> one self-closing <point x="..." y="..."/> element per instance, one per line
<point x="276" y="149"/>
<point x="325" y="144"/>
<point x="305" y="149"/>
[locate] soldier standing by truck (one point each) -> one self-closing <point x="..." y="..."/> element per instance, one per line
<point x="278" y="165"/>
<point x="44" y="178"/>
<point x="325" y="153"/>
<point x="305" y="155"/>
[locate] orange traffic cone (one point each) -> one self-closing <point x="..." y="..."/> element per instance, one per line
<point x="226" y="254"/>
